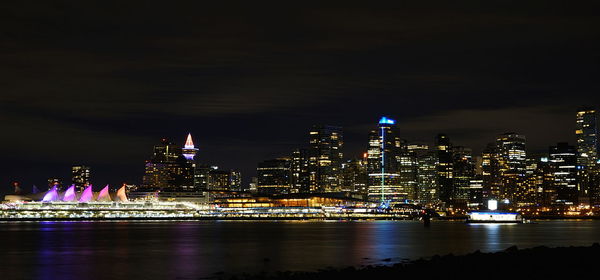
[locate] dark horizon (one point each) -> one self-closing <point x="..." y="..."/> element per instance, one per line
<point x="100" y="84"/>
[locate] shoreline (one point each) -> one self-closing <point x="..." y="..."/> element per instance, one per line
<point x="533" y="263"/>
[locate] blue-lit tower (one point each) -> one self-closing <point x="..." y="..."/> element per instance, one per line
<point x="382" y="163"/>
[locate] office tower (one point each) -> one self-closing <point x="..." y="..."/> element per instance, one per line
<point x="445" y="168"/>
<point x="490" y="171"/>
<point x="407" y="171"/>
<point x="511" y="162"/>
<point x="475" y="193"/>
<point x="201" y="176"/>
<point x="325" y="158"/>
<point x="563" y="160"/>
<point x="274" y="176"/>
<point x="80" y="176"/>
<point x="427" y="177"/>
<point x="382" y="163"/>
<point x="224" y="180"/>
<point x="355" y="177"/>
<point x="587" y="155"/>
<point x="170" y="169"/>
<point x="463" y="168"/>
<point x="299" y="172"/>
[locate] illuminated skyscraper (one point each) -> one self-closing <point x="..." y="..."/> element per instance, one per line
<point x="274" y="176"/>
<point x="189" y="150"/>
<point x="382" y="163"/>
<point x="445" y="168"/>
<point x="299" y="172"/>
<point x="587" y="154"/>
<point x="427" y="177"/>
<point x="491" y="177"/>
<point x="355" y="177"/>
<point x="563" y="160"/>
<point x="512" y="164"/>
<point x="463" y="172"/>
<point x="325" y="158"/>
<point x="80" y="176"/>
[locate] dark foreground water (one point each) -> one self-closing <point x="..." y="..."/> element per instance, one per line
<point x="192" y="250"/>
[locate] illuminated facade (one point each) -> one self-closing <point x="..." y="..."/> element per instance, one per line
<point x="587" y="155"/>
<point x="274" y="176"/>
<point x="171" y="167"/>
<point x="511" y="157"/>
<point x="325" y="158"/>
<point x="354" y="176"/>
<point x="300" y="174"/>
<point x="563" y="160"/>
<point x="445" y="168"/>
<point x="463" y="172"/>
<point x="382" y="163"/>
<point x="224" y="180"/>
<point x="80" y="176"/>
<point x="427" y="177"/>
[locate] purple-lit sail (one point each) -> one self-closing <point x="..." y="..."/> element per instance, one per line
<point x="103" y="195"/>
<point x="87" y="194"/>
<point x="51" y="195"/>
<point x="35" y="190"/>
<point x="70" y="194"/>
<point x="121" y="196"/>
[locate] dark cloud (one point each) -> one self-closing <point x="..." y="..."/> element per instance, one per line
<point x="100" y="83"/>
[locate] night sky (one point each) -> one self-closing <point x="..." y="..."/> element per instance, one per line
<point x="100" y="84"/>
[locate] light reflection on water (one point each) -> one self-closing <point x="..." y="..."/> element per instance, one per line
<point x="158" y="250"/>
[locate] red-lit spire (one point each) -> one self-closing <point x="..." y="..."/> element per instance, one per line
<point x="189" y="144"/>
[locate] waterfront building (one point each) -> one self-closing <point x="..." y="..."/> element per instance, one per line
<point x="588" y="145"/>
<point x="475" y="194"/>
<point x="563" y="160"/>
<point x="427" y="177"/>
<point x="463" y="168"/>
<point x="325" y="158"/>
<point x="355" y="177"/>
<point x="408" y="170"/>
<point x="299" y="167"/>
<point x="382" y="164"/>
<point x="80" y="176"/>
<point x="224" y="180"/>
<point x="274" y="176"/>
<point x="445" y="168"/>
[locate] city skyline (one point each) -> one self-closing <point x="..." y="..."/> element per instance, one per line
<point x="99" y="87"/>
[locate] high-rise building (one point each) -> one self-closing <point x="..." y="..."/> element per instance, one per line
<point x="300" y="172"/>
<point x="563" y="160"/>
<point x="325" y="158"/>
<point x="224" y="180"/>
<point x="427" y="177"/>
<point x="80" y="176"/>
<point x="382" y="164"/>
<point x="511" y="162"/>
<point x="355" y="177"/>
<point x="274" y="176"/>
<point x="463" y="168"/>
<point x="171" y="168"/>
<point x="445" y="168"/>
<point x="490" y="171"/>
<point x="587" y="154"/>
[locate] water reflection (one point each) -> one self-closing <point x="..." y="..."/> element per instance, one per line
<point x="158" y="250"/>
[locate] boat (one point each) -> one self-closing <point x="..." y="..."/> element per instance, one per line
<point x="492" y="216"/>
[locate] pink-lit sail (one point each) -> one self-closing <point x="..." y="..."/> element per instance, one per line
<point x="189" y="144"/>
<point x="51" y="195"/>
<point x="70" y="194"/>
<point x="87" y="194"/>
<point x="103" y="195"/>
<point x="121" y="196"/>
